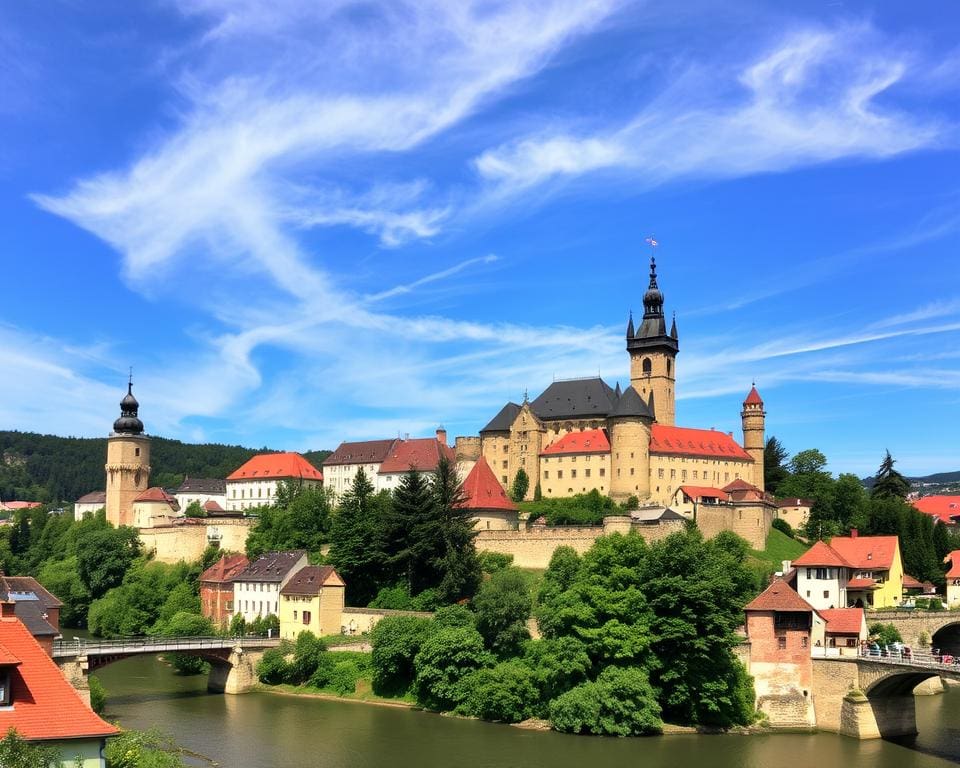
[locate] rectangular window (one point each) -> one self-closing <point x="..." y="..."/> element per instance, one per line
<point x="306" y="617"/>
<point x="694" y="474"/>
<point x="573" y="473"/>
<point x="673" y="474"/>
<point x="504" y="478"/>
<point x="504" y="463"/>
<point x="5" y="688"/>
<point x="683" y="474"/>
<point x="573" y="459"/>
<point x="660" y="474"/>
<point x="506" y="449"/>
<point x="823" y="573"/>
<point x="603" y="472"/>
<point x="803" y="641"/>
<point x="826" y="593"/>
<point x="294" y="615"/>
<point x="559" y="474"/>
<point x="631" y="471"/>
<point x="586" y="473"/>
<point x="782" y="643"/>
<point x="546" y="475"/>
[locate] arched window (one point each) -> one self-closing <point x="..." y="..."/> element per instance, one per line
<point x="646" y="366"/>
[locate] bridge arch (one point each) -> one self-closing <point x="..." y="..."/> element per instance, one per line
<point x="900" y="683"/>
<point x="216" y="657"/>
<point x="947" y="638"/>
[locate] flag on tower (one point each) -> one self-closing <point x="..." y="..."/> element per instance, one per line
<point x="652" y="242"/>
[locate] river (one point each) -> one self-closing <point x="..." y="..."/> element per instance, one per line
<point x="262" y="729"/>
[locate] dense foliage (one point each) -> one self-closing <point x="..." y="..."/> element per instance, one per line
<point x="17" y="753"/>
<point x="142" y="749"/>
<point x="300" y="518"/>
<point x="581" y="509"/>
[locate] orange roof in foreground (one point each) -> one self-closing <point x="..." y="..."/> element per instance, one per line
<point x="421" y="453"/>
<point x="483" y="490"/>
<point x="45" y="705"/>
<point x="943" y="507"/>
<point x="779" y="596"/>
<point x="277" y="466"/>
<point x="683" y="441"/>
<point x="588" y="441"/>
<point x="866" y="551"/>
<point x="954" y="559"/>
<point x="843" y="621"/>
<point x="821" y="554"/>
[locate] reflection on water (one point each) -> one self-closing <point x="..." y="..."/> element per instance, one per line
<point x="260" y="729"/>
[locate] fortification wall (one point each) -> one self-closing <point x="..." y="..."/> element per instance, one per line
<point x="750" y="520"/>
<point x="359" y="621"/>
<point x="173" y="543"/>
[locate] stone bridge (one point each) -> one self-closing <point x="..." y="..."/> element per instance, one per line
<point x="872" y="697"/>
<point x="233" y="660"/>
<point x="936" y="629"/>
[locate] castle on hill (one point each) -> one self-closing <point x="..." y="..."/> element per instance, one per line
<point x="581" y="435"/>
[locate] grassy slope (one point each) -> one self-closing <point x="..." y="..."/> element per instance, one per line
<point x="779" y="547"/>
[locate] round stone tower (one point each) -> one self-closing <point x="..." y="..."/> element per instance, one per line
<point x="754" y="420"/>
<point x="630" y="447"/>
<point x="128" y="461"/>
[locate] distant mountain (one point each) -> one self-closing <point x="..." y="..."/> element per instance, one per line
<point x="940" y="478"/>
<point x="37" y="467"/>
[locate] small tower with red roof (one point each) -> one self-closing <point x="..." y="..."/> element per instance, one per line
<point x="754" y="421"/>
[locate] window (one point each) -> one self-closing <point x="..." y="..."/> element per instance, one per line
<point x="822" y="573"/>
<point x="694" y="474"/>
<point x="559" y="474"/>
<point x="673" y="474"/>
<point x="573" y="473"/>
<point x="647" y="366"/>
<point x="603" y="472"/>
<point x="294" y="615"/>
<point x="803" y="641"/>
<point x="781" y="643"/>
<point x="5" y="688"/>
<point x="504" y="463"/>
<point x="136" y="452"/>
<point x="506" y="449"/>
<point x="504" y="478"/>
<point x="660" y="474"/>
<point x="631" y="454"/>
<point x="631" y="471"/>
<point x="683" y="474"/>
<point x="573" y="459"/>
<point x="586" y="473"/>
<point x="306" y="617"/>
<point x="546" y="475"/>
<point x="826" y="593"/>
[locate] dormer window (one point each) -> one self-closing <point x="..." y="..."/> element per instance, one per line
<point x="5" y="699"/>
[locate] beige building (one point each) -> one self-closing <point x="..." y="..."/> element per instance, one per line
<point x="312" y="601"/>
<point x="128" y="462"/>
<point x="89" y="504"/>
<point x="155" y="507"/>
<point x="635" y="447"/>
<point x="794" y="511"/>
<point x="256" y="589"/>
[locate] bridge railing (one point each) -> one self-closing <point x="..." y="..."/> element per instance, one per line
<point x="81" y="646"/>
<point x="932" y="659"/>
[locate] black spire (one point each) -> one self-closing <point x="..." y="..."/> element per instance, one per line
<point x="673" y="327"/>
<point x="653" y="299"/>
<point x="652" y="331"/>
<point x="630" y="326"/>
<point x="128" y="423"/>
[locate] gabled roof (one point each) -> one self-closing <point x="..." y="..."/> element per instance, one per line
<point x="866" y="551"/>
<point x="45" y="705"/>
<point x="588" y="441"/>
<point x="212" y="506"/>
<point x="821" y="553"/>
<point x="911" y="582"/>
<point x="740" y="485"/>
<point x="483" y="491"/>
<point x="683" y="441"/>
<point x="34" y="618"/>
<point x="156" y="494"/>
<point x="214" y="486"/>
<point x="945" y="508"/>
<point x="361" y="452"/>
<point x="271" y="567"/>
<point x="954" y="559"/>
<point x="650" y="515"/>
<point x="226" y="569"/>
<point x="696" y="492"/>
<point x="310" y="579"/>
<point x="779" y="597"/>
<point x="12" y="505"/>
<point x="422" y="454"/>
<point x="94" y="497"/>
<point x="575" y="398"/>
<point x="631" y="404"/>
<point x="503" y="420"/>
<point x="277" y="466"/>
<point x="843" y="621"/>
<point x="862" y="584"/>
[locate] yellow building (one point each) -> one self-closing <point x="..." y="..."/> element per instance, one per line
<point x="312" y="600"/>
<point x="128" y="462"/>
<point x="644" y="453"/>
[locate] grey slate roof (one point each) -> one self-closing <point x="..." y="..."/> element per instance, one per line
<point x="503" y="420"/>
<point x="214" y="486"/>
<point x="94" y="497"/>
<point x="575" y="398"/>
<point x="631" y="404"/>
<point x="32" y="616"/>
<point x="271" y="567"/>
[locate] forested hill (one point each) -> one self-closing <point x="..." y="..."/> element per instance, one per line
<point x="940" y="478"/>
<point x="49" y="468"/>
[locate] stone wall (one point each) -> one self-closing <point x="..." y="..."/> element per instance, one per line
<point x="173" y="543"/>
<point x="359" y="621"/>
<point x="915" y="626"/>
<point x="833" y="680"/>
<point x="750" y="519"/>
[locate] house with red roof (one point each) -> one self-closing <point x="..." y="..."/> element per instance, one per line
<point x="945" y="509"/>
<point x="37" y="701"/>
<point x="843" y="630"/>
<point x="492" y="508"/>
<point x="254" y="484"/>
<point x="577" y="462"/>
<point x="312" y="601"/>
<point x="216" y="587"/>
<point x="952" y="577"/>
<point x="155" y="507"/>
<point x="341" y="467"/>
<point x="794" y="511"/>
<point x="422" y="454"/>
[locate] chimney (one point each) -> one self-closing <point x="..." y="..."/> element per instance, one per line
<point x="441" y="435"/>
<point x="853" y="533"/>
<point x="785" y="565"/>
<point x="7" y="608"/>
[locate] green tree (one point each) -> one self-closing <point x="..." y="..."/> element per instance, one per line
<point x="889" y="483"/>
<point x="238" y="625"/>
<point x="185" y="624"/>
<point x="104" y="556"/>
<point x="356" y="541"/>
<point x="557" y="665"/>
<point x="452" y="528"/>
<point x="62" y="578"/>
<point x="774" y="466"/>
<point x="194" y="510"/>
<point x="396" y="641"/>
<point x="503" y="606"/>
<point x="505" y="693"/>
<point x="410" y="552"/>
<point x="446" y="656"/>
<point x="300" y="518"/>
<point x="620" y="703"/>
<point x="520" y="485"/>
<point x="17" y="753"/>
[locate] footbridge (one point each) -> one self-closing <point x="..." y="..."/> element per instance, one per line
<point x="919" y="628"/>
<point x="233" y="660"/>
<point x="871" y="696"/>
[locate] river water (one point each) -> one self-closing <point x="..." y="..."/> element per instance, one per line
<point x="273" y="731"/>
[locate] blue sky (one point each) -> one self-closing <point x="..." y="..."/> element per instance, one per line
<point x="305" y="222"/>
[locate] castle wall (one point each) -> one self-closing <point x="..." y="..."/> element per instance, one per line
<point x="750" y="520"/>
<point x="668" y="472"/>
<point x="467" y="448"/>
<point x="173" y="543"/>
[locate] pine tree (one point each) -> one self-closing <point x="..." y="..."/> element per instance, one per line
<point x="356" y="541"/>
<point x="774" y="469"/>
<point x="520" y="486"/>
<point x="889" y="483"/>
<point x="457" y="563"/>
<point x="406" y="549"/>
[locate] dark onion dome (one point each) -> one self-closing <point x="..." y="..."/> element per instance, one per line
<point x="128" y="423"/>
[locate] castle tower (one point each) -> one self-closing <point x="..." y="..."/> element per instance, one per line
<point x="630" y="447"/>
<point x="653" y="354"/>
<point x="754" y="419"/>
<point x="128" y="461"/>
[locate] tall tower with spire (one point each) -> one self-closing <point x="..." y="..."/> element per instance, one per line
<point x="653" y="352"/>
<point x="754" y="420"/>
<point x="128" y="461"/>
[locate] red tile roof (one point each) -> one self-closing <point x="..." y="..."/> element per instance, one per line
<point x="11" y="505"/>
<point x="422" y="454"/>
<point x="588" y="441"/>
<point x="483" y="490"/>
<point x="277" y="466"/>
<point x="225" y="569"/>
<point x="309" y="580"/>
<point x="45" y="705"/>
<point x="954" y="559"/>
<point x="682" y="441"/>
<point x="861" y="584"/>
<point x="740" y="485"/>
<point x="943" y="507"/>
<point x="843" y="621"/>
<point x="702" y="491"/>
<point x="753" y="398"/>
<point x="866" y="551"/>
<point x="822" y="553"/>
<point x="363" y="452"/>
<point x="779" y="597"/>
<point x="156" y="494"/>
<point x="212" y="506"/>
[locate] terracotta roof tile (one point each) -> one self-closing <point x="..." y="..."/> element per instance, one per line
<point x="588" y="441"/>
<point x="45" y="705"/>
<point x="862" y="584"/>
<point x="683" y="441"/>
<point x="483" y="490"/>
<point x="422" y="454"/>
<point x="226" y="569"/>
<point x="156" y="494"/>
<point x="277" y="466"/>
<point x="704" y="491"/>
<point x="945" y="508"/>
<point x="954" y="559"/>
<point x="779" y="597"/>
<point x="740" y="485"/>
<point x="866" y="551"/>
<point x="212" y="506"/>
<point x="821" y="553"/>
<point x="794" y="502"/>
<point x="753" y="397"/>
<point x="843" y="621"/>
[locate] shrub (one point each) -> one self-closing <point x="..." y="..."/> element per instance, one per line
<point x="142" y="749"/>
<point x="273" y="667"/>
<point x="343" y="678"/>
<point x="620" y="703"/>
<point x="506" y="693"/>
<point x="491" y="562"/>
<point x="885" y="633"/>
<point x="308" y="655"/>
<point x="447" y="655"/>
<point x="396" y="641"/>
<point x="393" y="598"/>
<point x="453" y="616"/>
<point x="98" y="694"/>
<point x="782" y="525"/>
